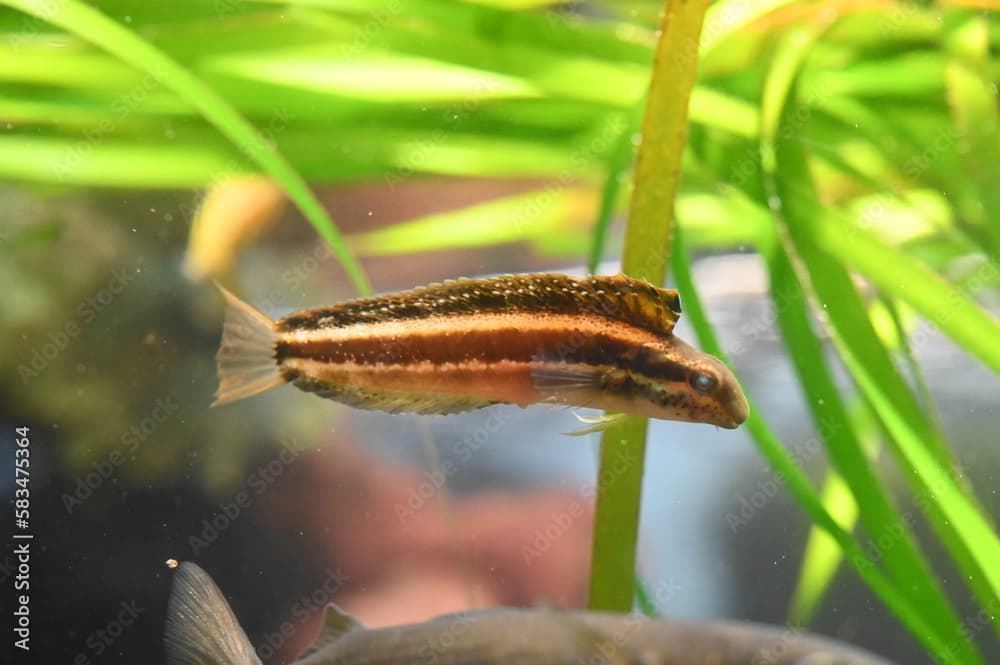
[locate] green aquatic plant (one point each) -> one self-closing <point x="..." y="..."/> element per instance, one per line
<point x="645" y="255"/>
<point x="80" y="19"/>
<point x="854" y="147"/>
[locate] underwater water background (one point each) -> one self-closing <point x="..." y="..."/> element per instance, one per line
<point x="351" y="503"/>
<point x="838" y="207"/>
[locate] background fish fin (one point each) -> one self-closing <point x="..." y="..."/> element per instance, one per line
<point x="201" y="629"/>
<point x="246" y="362"/>
<point x="336" y="622"/>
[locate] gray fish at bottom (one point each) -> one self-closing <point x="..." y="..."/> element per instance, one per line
<point x="202" y="630"/>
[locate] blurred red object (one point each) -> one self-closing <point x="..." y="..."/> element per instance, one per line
<point x="412" y="551"/>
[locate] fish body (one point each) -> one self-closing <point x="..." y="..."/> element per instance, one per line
<point x="603" y="342"/>
<point x="202" y="630"/>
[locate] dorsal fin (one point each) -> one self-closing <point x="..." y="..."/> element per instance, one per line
<point x="616" y="297"/>
<point x="643" y="305"/>
<point x="336" y="622"/>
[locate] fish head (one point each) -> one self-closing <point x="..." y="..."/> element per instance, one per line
<point x="672" y="380"/>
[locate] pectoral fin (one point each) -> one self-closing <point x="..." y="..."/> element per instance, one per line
<point x="595" y="423"/>
<point x="553" y="377"/>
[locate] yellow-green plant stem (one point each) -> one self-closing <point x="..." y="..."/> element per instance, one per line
<point x="90" y="24"/>
<point x="646" y="256"/>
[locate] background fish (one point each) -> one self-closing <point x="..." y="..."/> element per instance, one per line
<point x="235" y="210"/>
<point x="202" y="630"/>
<point x="600" y="342"/>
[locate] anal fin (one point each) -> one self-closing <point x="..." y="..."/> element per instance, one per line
<point x="392" y="401"/>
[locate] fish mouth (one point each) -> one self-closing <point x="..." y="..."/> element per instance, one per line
<point x="737" y="409"/>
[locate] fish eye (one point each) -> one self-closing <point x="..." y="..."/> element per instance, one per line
<point x="703" y="383"/>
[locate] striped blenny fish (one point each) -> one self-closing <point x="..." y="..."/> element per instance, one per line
<point x="602" y="342"/>
<point x="202" y="630"/>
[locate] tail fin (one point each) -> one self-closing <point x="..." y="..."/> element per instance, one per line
<point x="246" y="360"/>
<point x="201" y="629"/>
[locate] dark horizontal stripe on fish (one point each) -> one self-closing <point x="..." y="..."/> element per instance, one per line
<point x="611" y="297"/>
<point x="491" y="346"/>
